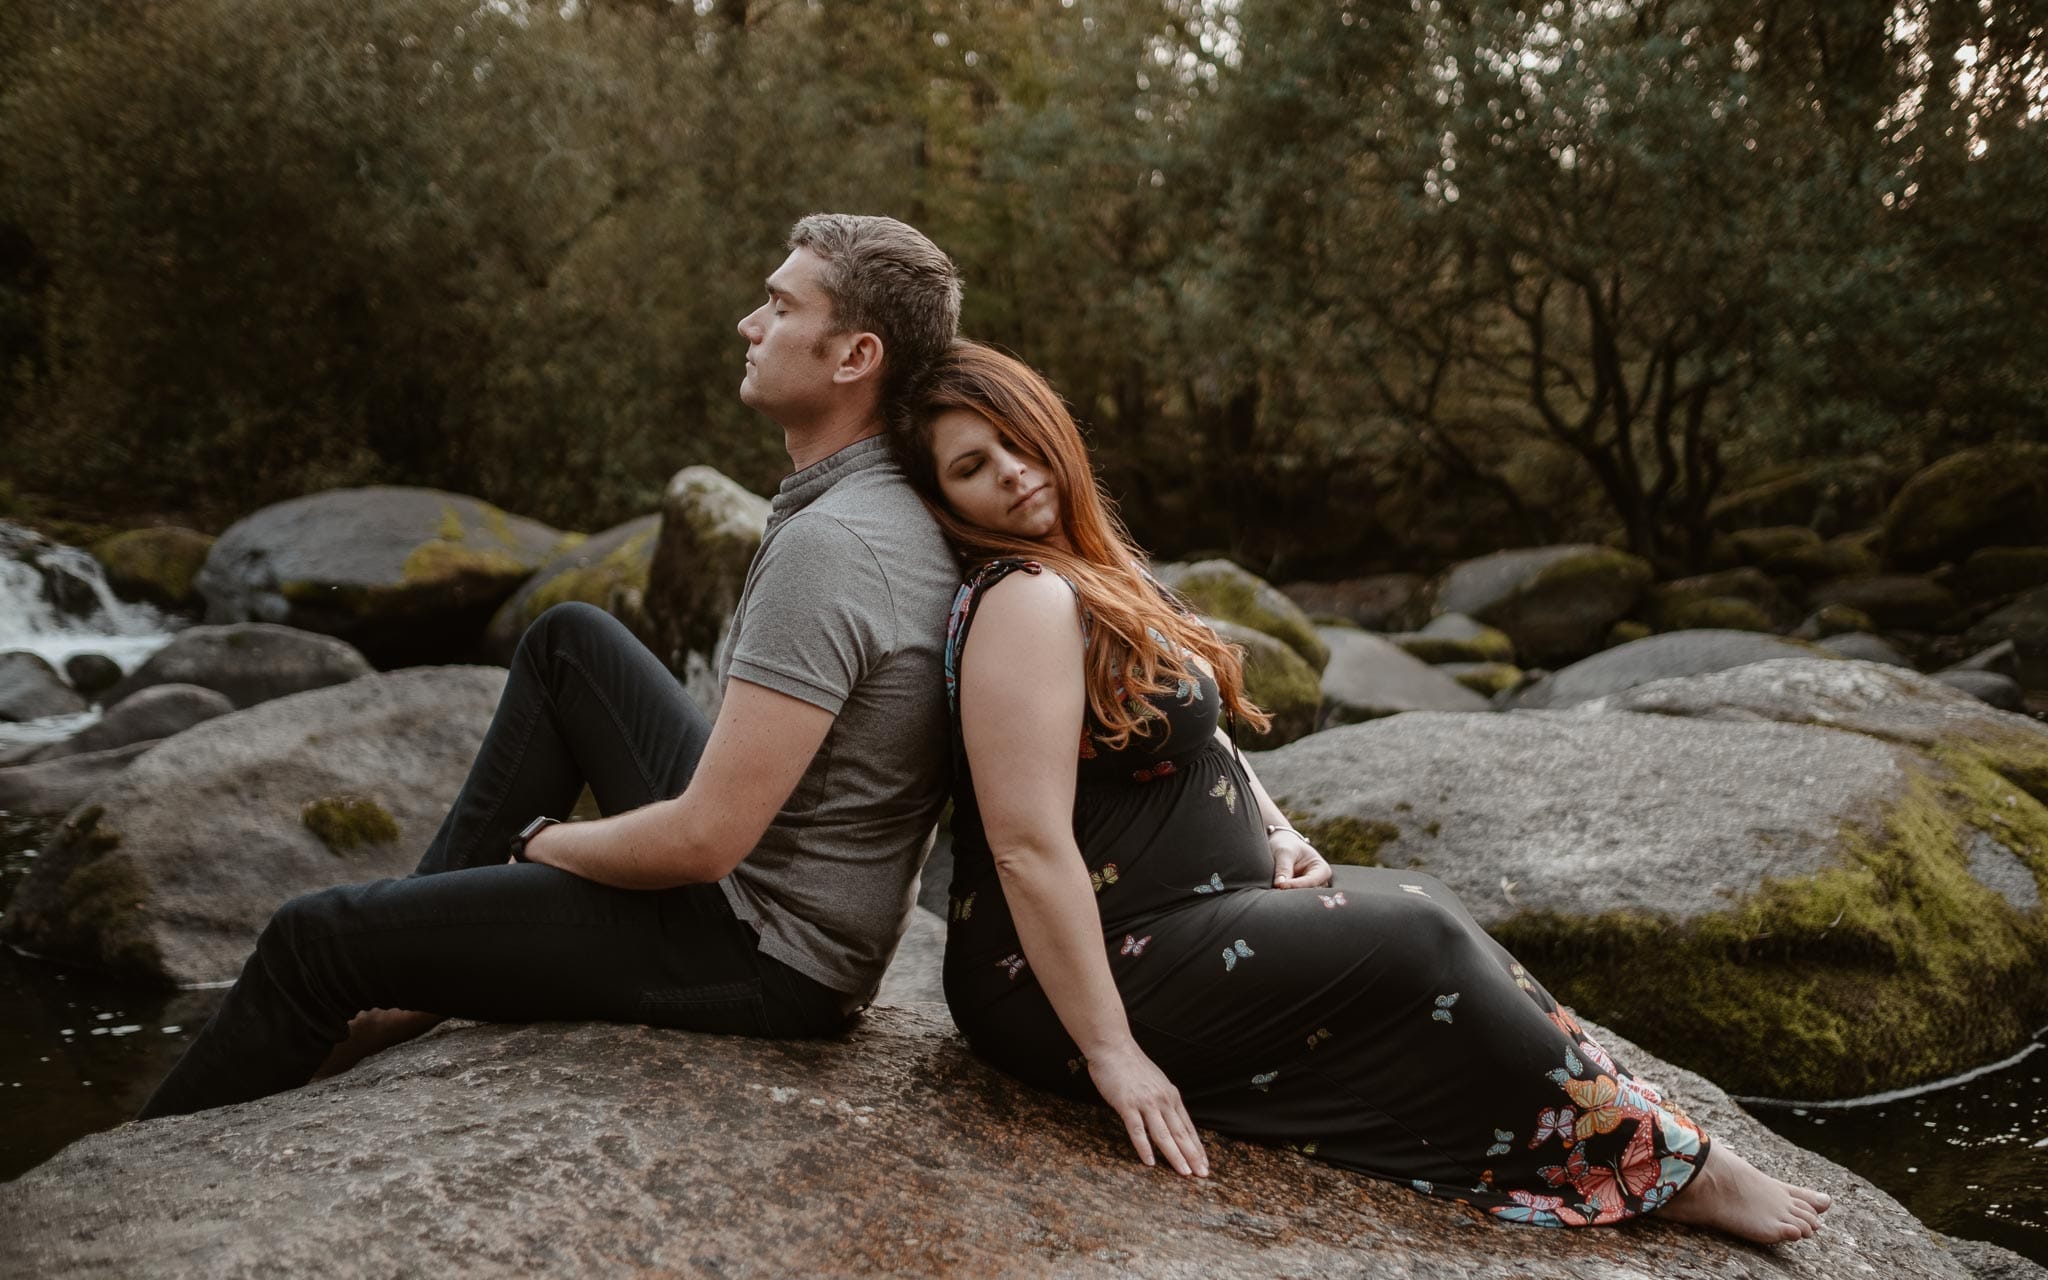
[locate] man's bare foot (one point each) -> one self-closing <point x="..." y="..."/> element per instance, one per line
<point x="1730" y="1194"/>
<point x="373" y="1030"/>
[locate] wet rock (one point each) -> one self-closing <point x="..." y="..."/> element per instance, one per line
<point x="609" y="571"/>
<point x="1996" y="688"/>
<point x="1377" y="602"/>
<point x="53" y="788"/>
<point x="2003" y="657"/>
<point x="30" y="689"/>
<point x="1993" y="496"/>
<point x="2025" y="623"/>
<point x="156" y="712"/>
<point x="1279" y="681"/>
<point x="1895" y="602"/>
<point x="1865" y="647"/>
<point x="1368" y="678"/>
<point x="160" y="566"/>
<point x="710" y="529"/>
<point x="167" y="876"/>
<point x="1556" y="603"/>
<point x="589" y="1149"/>
<point x="1676" y="653"/>
<point x="1219" y="589"/>
<point x="91" y="673"/>
<point x="250" y="662"/>
<point x="1724" y="889"/>
<point x="405" y="575"/>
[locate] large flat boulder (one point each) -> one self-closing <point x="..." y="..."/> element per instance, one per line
<point x="609" y="571"/>
<point x="1370" y="676"/>
<point x="589" y="1149"/>
<point x="710" y="529"/>
<point x="1675" y="653"/>
<point x="1556" y="603"/>
<point x="249" y="662"/>
<point x="1802" y="911"/>
<point x="406" y="575"/>
<point x="1221" y="589"/>
<point x="170" y="872"/>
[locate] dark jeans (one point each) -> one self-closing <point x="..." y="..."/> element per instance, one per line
<point x="470" y="935"/>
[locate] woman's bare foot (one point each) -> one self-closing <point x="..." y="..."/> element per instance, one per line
<point x="373" y="1030"/>
<point x="1730" y="1194"/>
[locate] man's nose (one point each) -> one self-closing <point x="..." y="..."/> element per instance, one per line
<point x="748" y="328"/>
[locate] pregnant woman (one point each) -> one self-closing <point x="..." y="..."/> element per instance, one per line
<point x="1131" y="916"/>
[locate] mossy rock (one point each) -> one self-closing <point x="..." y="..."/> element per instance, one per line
<point x="158" y="565"/>
<point x="1704" y="599"/>
<point x="1555" y="603"/>
<point x="1281" y="684"/>
<point x="709" y="530"/>
<point x="1993" y="496"/>
<point x="1347" y="841"/>
<point x="1627" y="631"/>
<point x="1833" y="620"/>
<point x="1484" y="678"/>
<point x="98" y="912"/>
<point x="1893" y="601"/>
<point x="1756" y="546"/>
<point x="1994" y="573"/>
<point x="608" y="570"/>
<point x="1726" y="613"/>
<point x="1791" y="499"/>
<point x="1849" y="557"/>
<point x="1453" y="637"/>
<point x="1873" y="924"/>
<point x="1220" y="589"/>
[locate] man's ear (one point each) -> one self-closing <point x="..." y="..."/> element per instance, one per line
<point x="862" y="359"/>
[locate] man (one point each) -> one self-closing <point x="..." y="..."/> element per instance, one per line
<point x="751" y="876"/>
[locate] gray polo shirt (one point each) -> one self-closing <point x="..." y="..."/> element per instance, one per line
<point x="845" y="607"/>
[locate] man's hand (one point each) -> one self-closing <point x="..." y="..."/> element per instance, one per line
<point x="1296" y="864"/>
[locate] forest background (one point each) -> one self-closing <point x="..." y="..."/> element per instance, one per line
<point x="1336" y="285"/>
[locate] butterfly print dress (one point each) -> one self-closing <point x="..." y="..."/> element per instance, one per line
<point x="1370" y="1023"/>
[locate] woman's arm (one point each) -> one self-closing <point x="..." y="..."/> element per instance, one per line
<point x="1296" y="864"/>
<point x="1022" y="702"/>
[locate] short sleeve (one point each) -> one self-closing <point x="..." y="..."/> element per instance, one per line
<point x="818" y="614"/>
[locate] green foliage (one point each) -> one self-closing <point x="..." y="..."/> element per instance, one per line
<point x="1330" y="283"/>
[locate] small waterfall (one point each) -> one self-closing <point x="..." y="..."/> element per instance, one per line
<point x="55" y="602"/>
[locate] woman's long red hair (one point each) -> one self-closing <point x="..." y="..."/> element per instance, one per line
<point x="1124" y="606"/>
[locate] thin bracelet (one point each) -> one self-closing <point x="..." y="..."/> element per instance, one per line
<point x="1271" y="827"/>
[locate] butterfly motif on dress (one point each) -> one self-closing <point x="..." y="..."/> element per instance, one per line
<point x="1012" y="964"/>
<point x="1104" y="878"/>
<point x="1601" y="1105"/>
<point x="1333" y="900"/>
<point x="1136" y="946"/>
<point x="963" y="908"/>
<point x="1502" y="1139"/>
<point x="1420" y="1185"/>
<point x="1573" y="1169"/>
<point x="1317" y="1036"/>
<point x="1557" y="1120"/>
<point x="1416" y="888"/>
<point x="1598" y="1055"/>
<point x="1571" y="1061"/>
<point x="1215" y="884"/>
<point x="1161" y="770"/>
<point x="1232" y="952"/>
<point x="1442" y="1012"/>
<point x="1263" y="1081"/>
<point x="1227" y="791"/>
<point x="1087" y="745"/>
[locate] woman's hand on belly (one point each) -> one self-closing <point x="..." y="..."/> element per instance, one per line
<point x="1296" y="864"/>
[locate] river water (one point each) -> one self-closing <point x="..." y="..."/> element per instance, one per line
<point x="79" y="1054"/>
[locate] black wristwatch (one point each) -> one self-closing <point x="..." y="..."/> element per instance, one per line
<point x="528" y="832"/>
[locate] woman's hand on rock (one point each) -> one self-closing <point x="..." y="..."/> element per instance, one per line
<point x="1296" y="864"/>
<point x="1152" y="1110"/>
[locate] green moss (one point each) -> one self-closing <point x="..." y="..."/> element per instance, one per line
<point x="106" y="900"/>
<point x="450" y="529"/>
<point x="1894" y="968"/>
<point x="623" y="569"/>
<point x="1348" y="841"/>
<point x="160" y="565"/>
<point x="1726" y="613"/>
<point x="433" y="563"/>
<point x="1600" y="566"/>
<point x="1237" y="596"/>
<point x="1285" y="688"/>
<point x="344" y="822"/>
<point x="1625" y="631"/>
<point x="1485" y="678"/>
